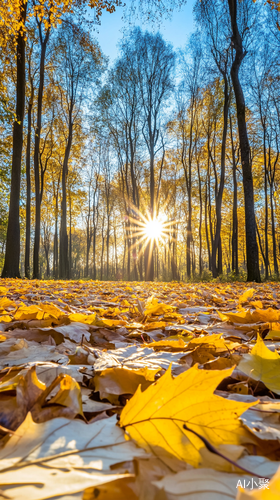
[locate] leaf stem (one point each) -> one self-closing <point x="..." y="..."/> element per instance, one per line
<point x="214" y="450"/>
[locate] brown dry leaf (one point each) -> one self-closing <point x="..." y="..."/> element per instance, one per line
<point x="113" y="382"/>
<point x="30" y="352"/>
<point x="119" y="489"/>
<point x="262" y="424"/>
<point x="136" y="357"/>
<point x="199" y="484"/>
<point x="25" y="392"/>
<point x="62" y="457"/>
<point x="270" y="493"/>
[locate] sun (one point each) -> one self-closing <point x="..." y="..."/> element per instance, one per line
<point x="151" y="229"/>
<point x="154" y="229"/>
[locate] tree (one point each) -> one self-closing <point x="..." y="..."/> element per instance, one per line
<point x="212" y="16"/>
<point x="187" y="101"/>
<point x="14" y="20"/>
<point x="79" y="63"/>
<point x="155" y="63"/>
<point x="251" y="240"/>
<point x="11" y="265"/>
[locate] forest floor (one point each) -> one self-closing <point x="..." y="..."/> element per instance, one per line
<point x="75" y="423"/>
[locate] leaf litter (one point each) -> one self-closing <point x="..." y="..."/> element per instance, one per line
<point x="151" y="391"/>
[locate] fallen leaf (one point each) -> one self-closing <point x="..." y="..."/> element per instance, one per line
<point x="248" y="294"/>
<point x="200" y="484"/>
<point x="167" y="405"/>
<point x="272" y="493"/>
<point x="262" y="364"/>
<point x="113" y="382"/>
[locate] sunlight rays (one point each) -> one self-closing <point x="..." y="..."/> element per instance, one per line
<point x="150" y="231"/>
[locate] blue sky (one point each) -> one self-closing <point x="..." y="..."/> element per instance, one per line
<point x="175" y="31"/>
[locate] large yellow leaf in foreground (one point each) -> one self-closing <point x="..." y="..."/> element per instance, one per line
<point x="272" y="493"/>
<point x="155" y="418"/>
<point x="262" y="364"/>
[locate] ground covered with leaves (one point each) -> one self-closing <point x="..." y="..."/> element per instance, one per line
<point x="149" y="391"/>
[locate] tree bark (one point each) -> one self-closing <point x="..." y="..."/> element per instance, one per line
<point x="217" y="238"/>
<point x="265" y="201"/>
<point x="234" y="240"/>
<point x="63" y="247"/>
<point x="38" y="187"/>
<point x="253" y="272"/>
<point x="28" y="184"/>
<point x="12" y="255"/>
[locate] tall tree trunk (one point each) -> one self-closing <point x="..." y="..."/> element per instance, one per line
<point x="89" y="234"/>
<point x="134" y="255"/>
<point x="234" y="241"/>
<point x="128" y="250"/>
<point x="28" y="186"/>
<point x="149" y="250"/>
<point x="200" y="219"/>
<point x="220" y="257"/>
<point x="70" y="237"/>
<point x="265" y="201"/>
<point x="38" y="188"/>
<point x="63" y="247"/>
<point x="275" y="262"/>
<point x="124" y="253"/>
<point x="140" y="261"/>
<point x="107" y="247"/>
<point x="206" y="226"/>
<point x="12" y="255"/>
<point x="116" y="253"/>
<point x="253" y="272"/>
<point x="55" y="250"/>
<point x="94" y="253"/>
<point x="189" y="190"/>
<point x="149" y="261"/>
<point x="102" y="250"/>
<point x="217" y="238"/>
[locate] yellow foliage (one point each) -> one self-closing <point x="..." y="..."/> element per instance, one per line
<point x="162" y="410"/>
<point x="262" y="364"/>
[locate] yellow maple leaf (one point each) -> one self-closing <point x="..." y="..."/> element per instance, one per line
<point x="246" y="316"/>
<point x="5" y="302"/>
<point x="177" y="344"/>
<point x="248" y="294"/>
<point x="29" y="312"/>
<point x="5" y="318"/>
<point x="257" y="304"/>
<point x="51" y="310"/>
<point x="262" y="364"/>
<point x="154" y="325"/>
<point x="155" y="418"/>
<point x="213" y="343"/>
<point x="82" y="318"/>
<point x="153" y="306"/>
